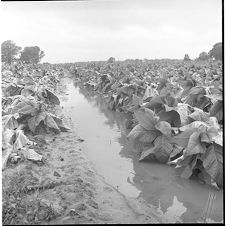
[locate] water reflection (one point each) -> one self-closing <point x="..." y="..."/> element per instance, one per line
<point x="175" y="211"/>
<point x="107" y="146"/>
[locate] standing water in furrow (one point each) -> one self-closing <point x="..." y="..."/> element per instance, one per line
<point x="115" y="159"/>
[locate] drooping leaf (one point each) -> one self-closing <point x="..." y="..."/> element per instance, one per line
<point x="217" y="110"/>
<point x="21" y="140"/>
<point x="171" y="117"/>
<point x="13" y="90"/>
<point x="137" y="101"/>
<point x="34" y="121"/>
<point x="197" y="98"/>
<point x="213" y="161"/>
<point x="5" y="156"/>
<point x="183" y="138"/>
<point x="10" y="121"/>
<point x="198" y="115"/>
<point x="146" y="118"/>
<point x="161" y="150"/>
<point x="194" y="145"/>
<point x="150" y="92"/>
<point x="26" y="106"/>
<point x="199" y="125"/>
<point x="182" y="109"/>
<point x="176" y="150"/>
<point x="149" y="136"/>
<point x="186" y="172"/>
<point x="218" y="139"/>
<point x="136" y="132"/>
<point x="30" y="154"/>
<point x="60" y="123"/>
<point x="50" y="122"/>
<point x="27" y="92"/>
<point x="143" y="135"/>
<point x="214" y="94"/>
<point x="164" y="128"/>
<point x="52" y="98"/>
<point x="212" y="122"/>
<point x="155" y="104"/>
<point x="205" y="137"/>
<point x="148" y="154"/>
<point x="7" y="138"/>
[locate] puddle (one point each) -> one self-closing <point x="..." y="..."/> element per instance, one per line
<point x="180" y="200"/>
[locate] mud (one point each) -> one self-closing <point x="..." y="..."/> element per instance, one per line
<point x="68" y="183"/>
<point x="83" y="185"/>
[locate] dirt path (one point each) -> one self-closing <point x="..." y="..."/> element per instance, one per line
<point x="76" y="193"/>
<point x="84" y="195"/>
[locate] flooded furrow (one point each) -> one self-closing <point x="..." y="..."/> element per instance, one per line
<point x="115" y="159"/>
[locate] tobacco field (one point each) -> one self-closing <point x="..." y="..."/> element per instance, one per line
<point x="176" y="110"/>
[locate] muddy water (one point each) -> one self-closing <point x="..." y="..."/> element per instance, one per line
<point x="114" y="158"/>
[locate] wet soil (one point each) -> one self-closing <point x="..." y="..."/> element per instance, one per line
<point x="92" y="175"/>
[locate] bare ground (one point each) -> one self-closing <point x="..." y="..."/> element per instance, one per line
<point x="66" y="189"/>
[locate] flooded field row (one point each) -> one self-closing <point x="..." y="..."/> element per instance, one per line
<point x="116" y="160"/>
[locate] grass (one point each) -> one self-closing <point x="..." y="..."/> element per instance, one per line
<point x="22" y="204"/>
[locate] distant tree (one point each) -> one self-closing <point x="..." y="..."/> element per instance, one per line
<point x="203" y="56"/>
<point x="9" y="51"/>
<point x="186" y="57"/>
<point x="111" y="60"/>
<point x="216" y="51"/>
<point x="32" y="54"/>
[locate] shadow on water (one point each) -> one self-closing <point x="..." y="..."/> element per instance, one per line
<point x="115" y="158"/>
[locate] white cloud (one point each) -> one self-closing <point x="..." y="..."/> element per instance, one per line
<point x="96" y="30"/>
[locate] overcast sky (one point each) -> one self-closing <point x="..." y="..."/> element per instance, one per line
<point x="98" y="29"/>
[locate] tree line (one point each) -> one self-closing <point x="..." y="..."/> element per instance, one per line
<point x="215" y="53"/>
<point x="10" y="52"/>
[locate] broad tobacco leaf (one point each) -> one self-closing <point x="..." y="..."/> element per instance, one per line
<point x="136" y="103"/>
<point x="197" y="98"/>
<point x="146" y="118"/>
<point x="176" y="150"/>
<point x="217" y="110"/>
<point x="194" y="145"/>
<point x="10" y="121"/>
<point x="186" y="165"/>
<point x="218" y="139"/>
<point x="161" y="150"/>
<point x="214" y="94"/>
<point x="198" y="115"/>
<point x="164" y="128"/>
<point x="150" y="92"/>
<point x="21" y="140"/>
<point x="171" y="117"/>
<point x="13" y="90"/>
<point x="60" y="123"/>
<point x="26" y="92"/>
<point x="7" y="138"/>
<point x="52" y="98"/>
<point x="213" y="163"/>
<point x="183" y="138"/>
<point x="30" y="154"/>
<point x="25" y="106"/>
<point x="34" y="121"/>
<point x="143" y="135"/>
<point x="50" y="122"/>
<point x="202" y="126"/>
<point x="5" y="156"/>
<point x="155" y="104"/>
<point x="182" y="109"/>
